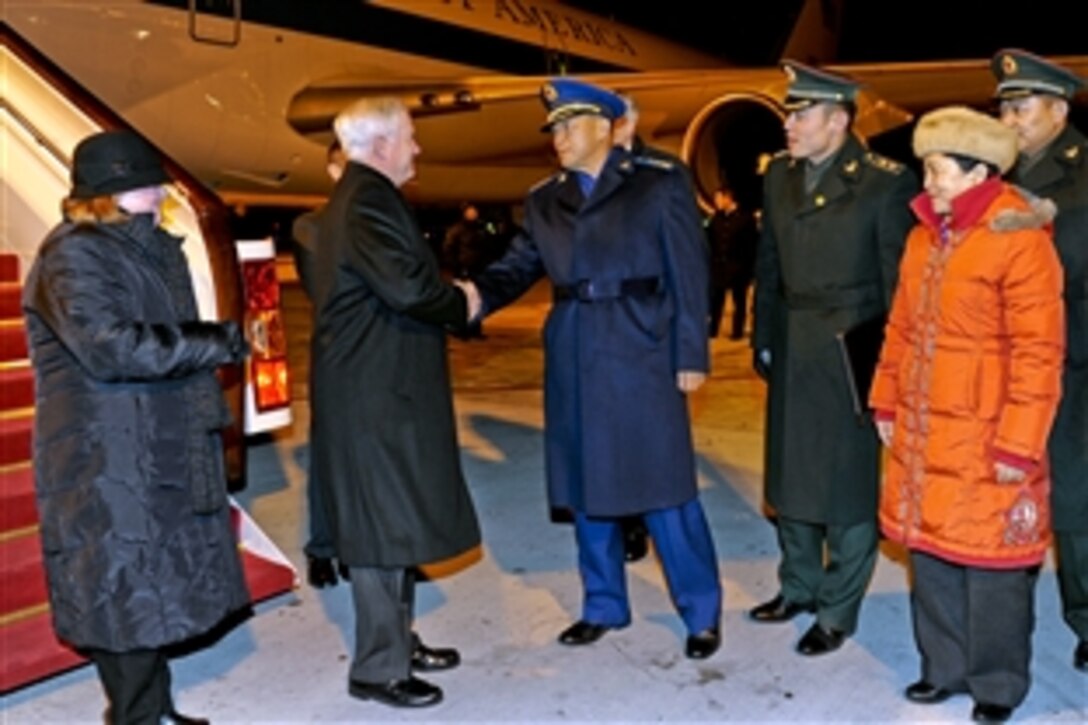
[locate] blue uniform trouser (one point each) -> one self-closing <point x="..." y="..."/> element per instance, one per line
<point x="682" y="540"/>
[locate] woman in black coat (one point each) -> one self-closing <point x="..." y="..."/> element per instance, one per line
<point x="128" y="463"/>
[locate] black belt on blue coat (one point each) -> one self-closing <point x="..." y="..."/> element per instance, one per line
<point x="592" y="290"/>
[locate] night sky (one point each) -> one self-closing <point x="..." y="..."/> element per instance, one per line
<point x="754" y="31"/>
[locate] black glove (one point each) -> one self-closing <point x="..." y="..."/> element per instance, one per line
<point x="761" y="363"/>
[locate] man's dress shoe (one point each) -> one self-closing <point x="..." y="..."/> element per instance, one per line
<point x="427" y="659"/>
<point x="926" y="694"/>
<point x="412" y="692"/>
<point x="703" y="644"/>
<point x="985" y="712"/>
<point x="176" y="718"/>
<point x="1080" y="656"/>
<point x="582" y="632"/>
<point x="778" y="610"/>
<point x="320" y="572"/>
<point x="819" y="641"/>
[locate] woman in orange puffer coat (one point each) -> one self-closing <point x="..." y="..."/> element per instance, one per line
<point x="964" y="396"/>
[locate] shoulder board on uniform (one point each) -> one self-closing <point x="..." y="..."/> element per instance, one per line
<point x="1073" y="153"/>
<point x="654" y="163"/>
<point x="782" y="156"/>
<point x="557" y="176"/>
<point x="884" y="163"/>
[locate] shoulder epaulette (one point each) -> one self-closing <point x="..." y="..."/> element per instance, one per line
<point x="884" y="163"/>
<point x="557" y="176"/>
<point x="654" y="163"/>
<point x="1073" y="152"/>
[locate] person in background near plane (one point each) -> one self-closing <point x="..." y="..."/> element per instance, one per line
<point x="625" y="135"/>
<point x="138" y="546"/>
<point x="732" y="233"/>
<point x="964" y="396"/>
<point x="465" y="252"/>
<point x="1053" y="163"/>
<point x="834" y="222"/>
<point x="625" y="342"/>
<point x="320" y="551"/>
<point x="384" y="438"/>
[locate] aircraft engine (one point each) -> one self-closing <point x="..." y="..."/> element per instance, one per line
<point x="728" y="142"/>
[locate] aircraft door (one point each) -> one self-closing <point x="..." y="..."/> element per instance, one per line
<point x="217" y="22"/>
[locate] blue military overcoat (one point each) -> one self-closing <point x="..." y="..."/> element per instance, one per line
<point x="629" y="264"/>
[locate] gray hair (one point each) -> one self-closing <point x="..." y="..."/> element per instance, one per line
<point x="366" y="119"/>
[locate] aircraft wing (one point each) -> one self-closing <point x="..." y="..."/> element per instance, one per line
<point x="721" y="121"/>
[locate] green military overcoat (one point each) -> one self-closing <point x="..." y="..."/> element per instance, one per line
<point x="1061" y="175"/>
<point x="827" y="260"/>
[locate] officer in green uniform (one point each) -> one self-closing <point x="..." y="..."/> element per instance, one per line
<point x="835" y="221"/>
<point x="1035" y="96"/>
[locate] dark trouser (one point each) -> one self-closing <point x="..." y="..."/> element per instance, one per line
<point x="319" y="545"/>
<point x="1072" y="548"/>
<point x="137" y="685"/>
<point x="686" y="550"/>
<point x="738" y="293"/>
<point x="973" y="628"/>
<point x="834" y="588"/>
<point x="384" y="603"/>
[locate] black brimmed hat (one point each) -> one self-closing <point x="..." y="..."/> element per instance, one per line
<point x="110" y="162"/>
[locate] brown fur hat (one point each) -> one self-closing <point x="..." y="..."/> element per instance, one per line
<point x="962" y="131"/>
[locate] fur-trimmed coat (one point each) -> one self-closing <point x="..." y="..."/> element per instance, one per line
<point x="970" y="371"/>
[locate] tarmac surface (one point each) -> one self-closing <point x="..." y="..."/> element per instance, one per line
<point x="288" y="663"/>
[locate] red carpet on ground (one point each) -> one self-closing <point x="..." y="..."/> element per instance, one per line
<point x="29" y="651"/>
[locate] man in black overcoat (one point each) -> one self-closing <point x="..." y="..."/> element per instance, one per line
<point x="384" y="436"/>
<point x="835" y="220"/>
<point x="319" y="549"/>
<point x="1035" y="95"/>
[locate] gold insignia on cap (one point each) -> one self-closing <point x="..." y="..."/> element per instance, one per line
<point x="549" y="92"/>
<point x="1009" y="65"/>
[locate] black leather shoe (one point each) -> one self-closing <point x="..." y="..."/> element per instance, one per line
<point x="582" y="632"/>
<point x="634" y="539"/>
<point x="412" y="692"/>
<point x="320" y="572"/>
<point x="819" y="641"/>
<point x="344" y="572"/>
<point x="778" y="610"/>
<point x="427" y="659"/>
<point x="176" y="718"/>
<point x="985" y="712"/>
<point x="703" y="644"/>
<point x="1080" y="656"/>
<point x="926" y="694"/>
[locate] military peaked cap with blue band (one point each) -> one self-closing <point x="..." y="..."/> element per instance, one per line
<point x="566" y="97"/>
<point x="810" y="85"/>
<point x="1020" y="73"/>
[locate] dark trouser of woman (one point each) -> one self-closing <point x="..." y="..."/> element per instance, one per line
<point x="137" y="685"/>
<point x="973" y="628"/>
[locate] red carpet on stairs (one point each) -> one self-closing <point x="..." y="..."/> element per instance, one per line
<point x="29" y="651"/>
